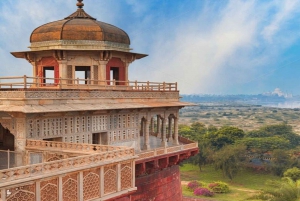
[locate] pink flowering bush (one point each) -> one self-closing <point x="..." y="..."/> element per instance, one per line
<point x="193" y="185"/>
<point x="203" y="191"/>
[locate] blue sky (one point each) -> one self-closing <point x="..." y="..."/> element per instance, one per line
<point x="208" y="47"/>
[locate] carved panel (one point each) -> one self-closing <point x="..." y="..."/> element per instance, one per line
<point x="21" y="128"/>
<point x="96" y="74"/>
<point x="12" y="94"/>
<point x="53" y="157"/>
<point x="110" y="179"/>
<point x="69" y="74"/>
<point x="7" y="124"/>
<point x="91" y="184"/>
<point x="99" y="94"/>
<point x="126" y="176"/>
<point x="70" y="187"/>
<point x="21" y="193"/>
<point x="49" y="190"/>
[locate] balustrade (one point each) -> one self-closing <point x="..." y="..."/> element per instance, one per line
<point x="25" y="82"/>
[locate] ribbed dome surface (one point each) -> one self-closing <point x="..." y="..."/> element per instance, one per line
<point x="79" y="26"/>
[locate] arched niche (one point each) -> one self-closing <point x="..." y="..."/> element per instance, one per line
<point x="7" y="139"/>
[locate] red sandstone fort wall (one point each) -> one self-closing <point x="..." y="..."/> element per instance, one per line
<point x="162" y="185"/>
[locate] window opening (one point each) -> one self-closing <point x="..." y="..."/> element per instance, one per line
<point x="83" y="73"/>
<point x="48" y="74"/>
<point x="114" y="75"/>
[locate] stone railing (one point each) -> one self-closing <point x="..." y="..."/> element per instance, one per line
<point x="94" y="182"/>
<point x="167" y="150"/>
<point x="25" y="82"/>
<point x="65" y="165"/>
<point x="70" y="147"/>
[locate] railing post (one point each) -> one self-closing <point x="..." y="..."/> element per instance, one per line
<point x="25" y="82"/>
<point x="8" y="158"/>
<point x="60" y="83"/>
<point x="175" y="86"/>
<point x="164" y="86"/>
<point x="147" y="85"/>
<point x="135" y="85"/>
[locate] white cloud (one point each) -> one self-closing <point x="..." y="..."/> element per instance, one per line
<point x="207" y="47"/>
<point x="285" y="10"/>
<point x="222" y="55"/>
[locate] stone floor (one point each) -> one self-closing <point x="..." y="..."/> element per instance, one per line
<point x="155" y="142"/>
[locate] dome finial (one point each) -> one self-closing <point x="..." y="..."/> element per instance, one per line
<point x="80" y="4"/>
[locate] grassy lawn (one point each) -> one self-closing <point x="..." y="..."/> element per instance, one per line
<point x="245" y="184"/>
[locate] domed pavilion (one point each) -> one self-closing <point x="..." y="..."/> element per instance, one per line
<point x="79" y="130"/>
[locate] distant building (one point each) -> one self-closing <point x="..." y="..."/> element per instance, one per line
<point x="78" y="129"/>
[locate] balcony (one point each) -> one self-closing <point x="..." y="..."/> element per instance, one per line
<point x="74" y="171"/>
<point x="42" y="83"/>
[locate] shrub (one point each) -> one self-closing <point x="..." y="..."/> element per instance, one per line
<point x="293" y="173"/>
<point x="203" y="191"/>
<point x="193" y="185"/>
<point x="219" y="187"/>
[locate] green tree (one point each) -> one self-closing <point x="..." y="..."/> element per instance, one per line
<point x="285" y="190"/>
<point x="293" y="173"/>
<point x="281" y="161"/>
<point x="229" y="159"/>
<point x="282" y="130"/>
<point x="264" y="144"/>
<point x="224" y="136"/>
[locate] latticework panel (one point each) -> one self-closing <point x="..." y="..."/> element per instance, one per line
<point x="91" y="184"/>
<point x="70" y="187"/>
<point x="54" y="157"/>
<point x="110" y="179"/>
<point x="49" y="190"/>
<point x="126" y="176"/>
<point x="96" y="74"/>
<point x="69" y="74"/>
<point x="22" y="193"/>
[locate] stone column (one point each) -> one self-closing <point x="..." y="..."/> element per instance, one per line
<point x="126" y="72"/>
<point x="34" y="74"/>
<point x="101" y="181"/>
<point x="80" y="193"/>
<point x="170" y="135"/>
<point x="20" y="141"/>
<point x="142" y="132"/>
<point x="175" y="141"/>
<point x="158" y="126"/>
<point x="163" y="137"/>
<point x="63" y="70"/>
<point x="152" y="125"/>
<point x="102" y="72"/>
<point x="146" y="135"/>
<point x="60" y="188"/>
<point x="119" y="181"/>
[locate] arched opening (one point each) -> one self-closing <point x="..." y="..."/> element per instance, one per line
<point x="48" y="70"/>
<point x="115" y="72"/>
<point x="7" y="140"/>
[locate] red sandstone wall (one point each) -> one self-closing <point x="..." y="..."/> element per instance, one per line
<point x="163" y="185"/>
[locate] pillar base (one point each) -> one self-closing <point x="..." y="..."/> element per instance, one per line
<point x="164" y="144"/>
<point x="146" y="147"/>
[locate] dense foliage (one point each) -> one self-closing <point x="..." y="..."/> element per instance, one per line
<point x="203" y="191"/>
<point x="219" y="187"/>
<point x="293" y="173"/>
<point x="226" y="147"/>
